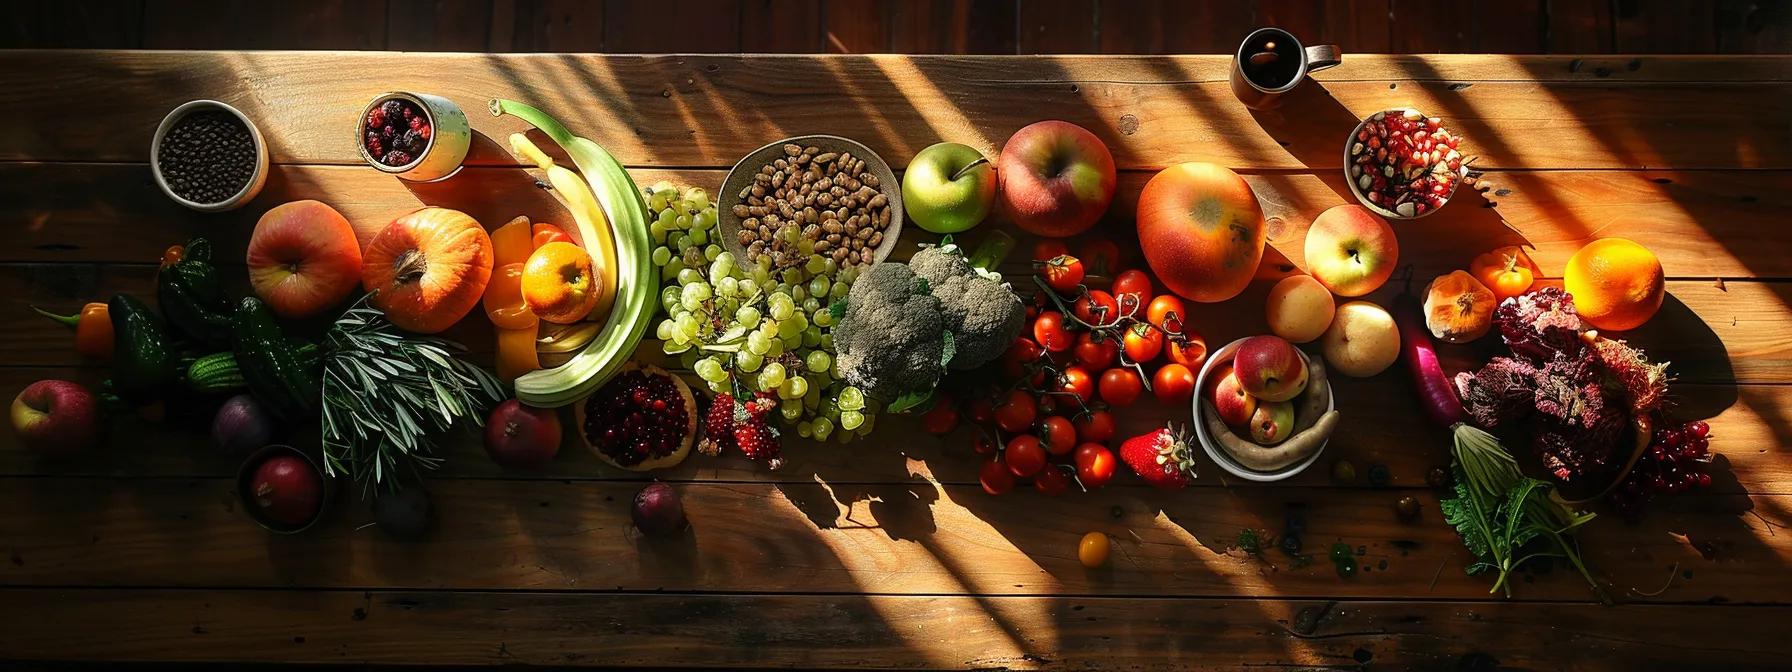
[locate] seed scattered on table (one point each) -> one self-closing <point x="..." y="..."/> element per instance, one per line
<point x="207" y="157"/>
<point x="825" y="201"/>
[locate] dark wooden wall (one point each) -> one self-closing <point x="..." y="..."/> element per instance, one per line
<point x="905" y="26"/>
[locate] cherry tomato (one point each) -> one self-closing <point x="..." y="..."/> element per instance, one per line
<point x="1050" y="331"/>
<point x="1048" y="405"/>
<point x="982" y="444"/>
<point x="1100" y="255"/>
<point x="1097" y="426"/>
<point x="981" y="410"/>
<point x="1058" y="435"/>
<point x="1053" y="481"/>
<point x="1134" y="283"/>
<point x="1017" y="412"/>
<point x="1024" y="456"/>
<point x="1174" y="384"/>
<point x="1077" y="381"/>
<point x="1094" y="465"/>
<point x="1097" y="307"/>
<point x="1095" y="351"/>
<point x="173" y="255"/>
<point x="1093" y="550"/>
<point x="1063" y="273"/>
<point x="943" y="417"/>
<point x="995" y="477"/>
<point x="1048" y="248"/>
<point x="1022" y="352"/>
<point x="1142" y="343"/>
<point x="1191" y="351"/>
<point x="1167" y="310"/>
<point x="1120" y="387"/>
<point x="542" y="234"/>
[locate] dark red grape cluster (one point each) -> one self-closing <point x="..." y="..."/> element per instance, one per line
<point x="1673" y="463"/>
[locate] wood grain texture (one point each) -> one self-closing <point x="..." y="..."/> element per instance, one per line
<point x="438" y="25"/>
<point x="218" y="24"/>
<point x="906" y="537"/>
<point x="781" y="26"/>
<point x="708" y="111"/>
<point x="439" y="628"/>
<point x="682" y="26"/>
<point x="856" y="26"/>
<point x="1056" y="27"/>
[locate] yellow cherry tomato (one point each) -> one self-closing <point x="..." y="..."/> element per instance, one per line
<point x="1093" y="550"/>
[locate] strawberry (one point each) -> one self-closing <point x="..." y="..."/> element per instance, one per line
<point x="753" y="431"/>
<point x="718" y="425"/>
<point x="1165" y="458"/>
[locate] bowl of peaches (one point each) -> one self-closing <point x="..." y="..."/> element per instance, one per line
<point x="1265" y="409"/>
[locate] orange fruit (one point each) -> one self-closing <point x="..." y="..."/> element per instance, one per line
<point x="1617" y="284"/>
<point x="558" y="283"/>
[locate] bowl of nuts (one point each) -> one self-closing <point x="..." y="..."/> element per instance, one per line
<point x="814" y="195"/>
<point x="1402" y="164"/>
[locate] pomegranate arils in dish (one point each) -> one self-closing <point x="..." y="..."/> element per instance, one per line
<point x="397" y="132"/>
<point x="1405" y="163"/>
<point x="638" y="416"/>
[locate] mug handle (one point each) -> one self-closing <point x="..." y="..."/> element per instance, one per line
<point x="1322" y="56"/>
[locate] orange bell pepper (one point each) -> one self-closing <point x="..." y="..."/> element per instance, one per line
<point x="93" y="329"/>
<point x="548" y="233"/>
<point x="1507" y="271"/>
<point x="516" y="353"/>
<point x="504" y="302"/>
<point x="512" y="243"/>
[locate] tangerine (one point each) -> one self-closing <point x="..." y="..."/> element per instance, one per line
<point x="558" y="283"/>
<point x="1617" y="284"/>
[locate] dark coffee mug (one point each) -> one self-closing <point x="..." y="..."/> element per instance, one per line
<point x="1271" y="62"/>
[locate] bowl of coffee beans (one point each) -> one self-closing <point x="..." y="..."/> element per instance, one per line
<point x="815" y="195"/>
<point x="208" y="156"/>
<point x="416" y="136"/>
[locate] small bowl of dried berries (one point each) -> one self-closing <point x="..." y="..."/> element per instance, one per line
<point x="1402" y="164"/>
<point x="416" y="136"/>
<point x="208" y="156"/>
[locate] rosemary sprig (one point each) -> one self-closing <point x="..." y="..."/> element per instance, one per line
<point x="386" y="392"/>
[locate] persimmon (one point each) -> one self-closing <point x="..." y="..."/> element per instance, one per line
<point x="1507" y="272"/>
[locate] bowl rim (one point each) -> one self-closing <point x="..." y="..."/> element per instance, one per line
<point x="727" y="223"/>
<point x="247" y="471"/>
<point x="1358" y="192"/>
<point x="250" y="188"/>
<point x="361" y="131"/>
<point x="1219" y="455"/>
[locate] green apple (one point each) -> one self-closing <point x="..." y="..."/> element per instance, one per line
<point x="948" y="188"/>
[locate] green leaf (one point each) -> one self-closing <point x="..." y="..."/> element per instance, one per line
<point x="947" y="349"/>
<point x="908" y="401"/>
<point x="837" y="309"/>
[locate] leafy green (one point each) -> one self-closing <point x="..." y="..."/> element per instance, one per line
<point x="1498" y="512"/>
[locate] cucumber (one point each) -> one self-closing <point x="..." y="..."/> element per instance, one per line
<point x="215" y="373"/>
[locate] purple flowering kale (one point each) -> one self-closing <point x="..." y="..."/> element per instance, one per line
<point x="1540" y="325"/>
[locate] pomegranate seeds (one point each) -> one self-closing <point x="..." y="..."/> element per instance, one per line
<point x="1405" y="163"/>
<point x="397" y="132"/>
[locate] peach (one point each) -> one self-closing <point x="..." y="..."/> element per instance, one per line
<point x="1299" y="308"/>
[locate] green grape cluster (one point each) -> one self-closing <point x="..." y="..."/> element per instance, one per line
<point x="748" y="328"/>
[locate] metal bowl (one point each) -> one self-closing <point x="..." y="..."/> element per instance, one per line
<point x="1362" y="198"/>
<point x="443" y="153"/>
<point x="741" y="177"/>
<point x="1219" y="455"/>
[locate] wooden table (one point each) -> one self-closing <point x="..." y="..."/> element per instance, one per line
<point x="887" y="554"/>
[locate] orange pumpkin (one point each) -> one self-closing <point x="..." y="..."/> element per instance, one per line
<point x="428" y="269"/>
<point x="1458" y="308"/>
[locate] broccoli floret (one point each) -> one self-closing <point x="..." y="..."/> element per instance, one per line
<point x="983" y="315"/>
<point x="892" y="337"/>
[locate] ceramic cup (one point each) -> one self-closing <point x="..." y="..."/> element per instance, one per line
<point x="1271" y="62"/>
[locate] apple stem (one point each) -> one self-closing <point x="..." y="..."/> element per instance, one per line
<point x="967" y="168"/>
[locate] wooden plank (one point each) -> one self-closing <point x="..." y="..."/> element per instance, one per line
<point x="1056" y="27"/>
<point x="1664" y="27"/>
<point x="445" y="628"/>
<point x="1508" y="26"/>
<point x="1359" y="26"/>
<point x="1579" y="26"/>
<point x="856" y="26"/>
<point x="72" y="25"/>
<point x="438" y="25"/>
<point x="702" y="26"/>
<point x="952" y="27"/>
<point x="550" y="25"/>
<point x="823" y="536"/>
<point x="781" y="27"/>
<point x="708" y="111"/>
<point x="1752" y="27"/>
<point x="1424" y="27"/>
<point x="220" y="24"/>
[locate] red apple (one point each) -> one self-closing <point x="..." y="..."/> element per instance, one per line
<point x="56" y="418"/>
<point x="1270" y="368"/>
<point x="522" y="436"/>
<point x="287" y="490"/>
<point x="1234" y="405"/>
<point x="303" y="259"/>
<point x="1202" y="230"/>
<point x="1056" y="177"/>
<point x="1351" y="250"/>
<point x="1272" y="423"/>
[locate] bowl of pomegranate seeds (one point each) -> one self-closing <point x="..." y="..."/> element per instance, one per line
<point x="416" y="136"/>
<point x="1402" y="164"/>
